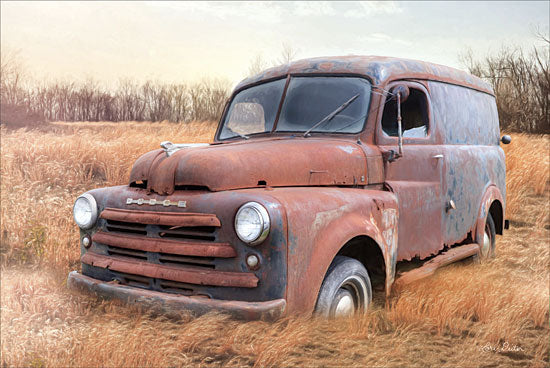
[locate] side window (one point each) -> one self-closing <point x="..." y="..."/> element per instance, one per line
<point x="414" y="115"/>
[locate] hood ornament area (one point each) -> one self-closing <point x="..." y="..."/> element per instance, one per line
<point x="170" y="148"/>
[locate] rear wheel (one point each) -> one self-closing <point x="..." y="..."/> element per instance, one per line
<point x="487" y="243"/>
<point x="346" y="289"/>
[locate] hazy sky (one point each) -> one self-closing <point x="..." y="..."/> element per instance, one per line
<point x="186" y="41"/>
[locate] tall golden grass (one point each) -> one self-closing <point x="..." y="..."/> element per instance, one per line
<point x="527" y="173"/>
<point x="494" y="314"/>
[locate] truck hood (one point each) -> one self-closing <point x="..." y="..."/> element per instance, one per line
<point x="276" y="162"/>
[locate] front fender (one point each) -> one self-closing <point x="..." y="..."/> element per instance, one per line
<point x="320" y="222"/>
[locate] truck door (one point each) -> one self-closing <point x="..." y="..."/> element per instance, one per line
<point x="416" y="177"/>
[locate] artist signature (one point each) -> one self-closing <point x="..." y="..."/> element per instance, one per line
<point x="500" y="348"/>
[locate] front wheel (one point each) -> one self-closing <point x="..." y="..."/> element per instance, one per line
<point x="346" y="289"/>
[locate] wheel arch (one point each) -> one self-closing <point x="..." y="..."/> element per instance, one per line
<point x="367" y="251"/>
<point x="491" y="203"/>
<point x="497" y="213"/>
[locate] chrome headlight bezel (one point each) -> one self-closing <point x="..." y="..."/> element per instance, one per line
<point x="93" y="208"/>
<point x="265" y="223"/>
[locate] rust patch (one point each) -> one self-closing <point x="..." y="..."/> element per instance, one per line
<point x="429" y="268"/>
<point x="275" y="161"/>
<point x="379" y="68"/>
<point x="188" y="275"/>
<point x="222" y="250"/>
<point x="174" y="304"/>
<point x="163" y="218"/>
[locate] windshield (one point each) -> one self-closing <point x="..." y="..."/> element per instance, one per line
<point x="253" y="110"/>
<point x="311" y="104"/>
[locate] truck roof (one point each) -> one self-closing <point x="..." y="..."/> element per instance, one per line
<point x="378" y="68"/>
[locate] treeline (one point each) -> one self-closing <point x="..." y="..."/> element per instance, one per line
<point x="27" y="103"/>
<point x="521" y="81"/>
<point x="24" y="102"/>
<point x="149" y="101"/>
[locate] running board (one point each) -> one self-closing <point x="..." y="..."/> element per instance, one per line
<point x="429" y="268"/>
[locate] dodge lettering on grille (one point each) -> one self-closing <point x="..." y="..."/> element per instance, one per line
<point x="152" y="202"/>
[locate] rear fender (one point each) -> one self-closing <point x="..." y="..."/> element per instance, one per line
<point x="491" y="194"/>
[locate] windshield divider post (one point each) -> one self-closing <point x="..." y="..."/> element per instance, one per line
<point x="283" y="96"/>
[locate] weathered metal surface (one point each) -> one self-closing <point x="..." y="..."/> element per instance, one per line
<point x="314" y="162"/>
<point x="473" y="159"/>
<point x="416" y="180"/>
<point x="320" y="222"/>
<point x="175" y="304"/>
<point x="142" y="166"/>
<point x="198" y="249"/>
<point x="420" y="204"/>
<point x="429" y="268"/>
<point x="456" y="105"/>
<point x="173" y="273"/>
<point x="163" y="218"/>
<point x="378" y="68"/>
<point x="456" y="162"/>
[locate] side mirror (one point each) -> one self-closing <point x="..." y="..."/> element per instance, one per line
<point x="506" y="139"/>
<point x="403" y="91"/>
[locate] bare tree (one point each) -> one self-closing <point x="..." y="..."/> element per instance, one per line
<point x="521" y="82"/>
<point x="288" y="53"/>
<point x="15" y="98"/>
<point x="257" y="65"/>
<point x="208" y="98"/>
<point x="11" y="74"/>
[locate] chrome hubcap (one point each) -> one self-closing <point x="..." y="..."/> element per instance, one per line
<point x="486" y="243"/>
<point x="345" y="306"/>
<point x="352" y="297"/>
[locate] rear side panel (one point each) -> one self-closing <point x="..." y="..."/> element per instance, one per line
<point x="473" y="159"/>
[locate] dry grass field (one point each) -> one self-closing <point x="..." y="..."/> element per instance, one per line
<point x="467" y="315"/>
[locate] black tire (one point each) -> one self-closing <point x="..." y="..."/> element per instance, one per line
<point x="487" y="250"/>
<point x="346" y="279"/>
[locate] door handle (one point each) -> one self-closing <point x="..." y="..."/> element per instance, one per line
<point x="438" y="156"/>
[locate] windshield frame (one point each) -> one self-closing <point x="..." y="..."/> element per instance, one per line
<point x="274" y="132"/>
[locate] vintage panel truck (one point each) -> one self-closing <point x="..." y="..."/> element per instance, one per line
<point x="323" y="174"/>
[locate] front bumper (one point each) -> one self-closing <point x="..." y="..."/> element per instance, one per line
<point x="173" y="303"/>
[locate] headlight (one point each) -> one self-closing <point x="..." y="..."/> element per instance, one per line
<point x="252" y="223"/>
<point x="85" y="211"/>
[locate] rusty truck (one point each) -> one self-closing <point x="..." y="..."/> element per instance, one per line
<point x="324" y="176"/>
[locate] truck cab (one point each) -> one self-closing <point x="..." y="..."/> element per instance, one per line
<point x="323" y="175"/>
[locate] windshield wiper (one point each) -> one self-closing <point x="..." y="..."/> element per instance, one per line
<point x="234" y="132"/>
<point x="331" y="115"/>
